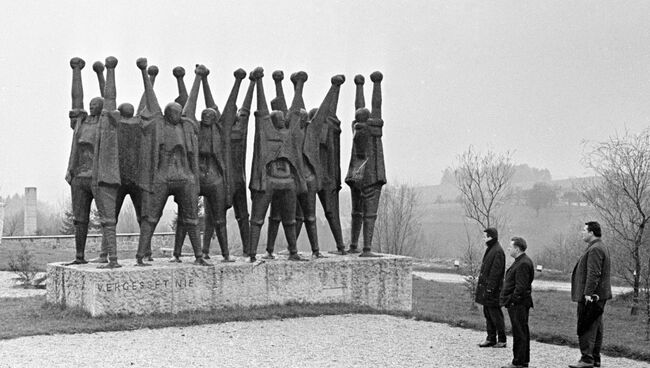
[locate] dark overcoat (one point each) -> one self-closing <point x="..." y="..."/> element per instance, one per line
<point x="591" y="275"/>
<point x="490" y="279"/>
<point x="517" y="286"/>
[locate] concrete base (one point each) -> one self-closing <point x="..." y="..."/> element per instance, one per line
<point x="383" y="283"/>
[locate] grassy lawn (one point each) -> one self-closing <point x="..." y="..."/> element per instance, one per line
<point x="553" y="320"/>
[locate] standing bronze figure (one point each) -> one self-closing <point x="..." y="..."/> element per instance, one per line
<point x="366" y="173"/>
<point x="168" y="166"/>
<point x="275" y="173"/>
<point x="93" y="167"/>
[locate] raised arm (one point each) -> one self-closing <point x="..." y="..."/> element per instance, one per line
<point x="153" y="72"/>
<point x="207" y="94"/>
<point x="98" y="67"/>
<point x="77" y="110"/>
<point x="262" y="107"/>
<point x="230" y="109"/>
<point x="110" y="93"/>
<point x="279" y="99"/>
<point x="359" y="101"/>
<point x="77" y="88"/>
<point x="376" y="79"/>
<point x="325" y="106"/>
<point x="245" y="110"/>
<point x="335" y="97"/>
<point x="150" y="96"/>
<point x="298" y="79"/>
<point x="179" y="73"/>
<point x="189" y="109"/>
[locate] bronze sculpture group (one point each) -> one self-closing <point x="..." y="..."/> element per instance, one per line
<point x="151" y="153"/>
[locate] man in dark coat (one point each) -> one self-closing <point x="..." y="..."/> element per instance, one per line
<point x="516" y="297"/>
<point x="490" y="281"/>
<point x="591" y="288"/>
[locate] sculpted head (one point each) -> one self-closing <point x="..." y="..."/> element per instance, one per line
<point x="277" y="118"/>
<point x="96" y="106"/>
<point x="208" y="116"/>
<point x="126" y="110"/>
<point x="173" y="112"/>
<point x="361" y="115"/>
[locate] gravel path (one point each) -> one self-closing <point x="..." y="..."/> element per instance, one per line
<point x="329" y="341"/>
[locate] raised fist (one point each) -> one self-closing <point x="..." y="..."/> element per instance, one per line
<point x="98" y="67"/>
<point x="257" y="73"/>
<point x="278" y="75"/>
<point x="141" y="63"/>
<point x="200" y="70"/>
<point x="298" y="76"/>
<point x="111" y="62"/>
<point x="77" y="62"/>
<point x="376" y="77"/>
<point x="152" y="70"/>
<point x="179" y="72"/>
<point x="359" y="79"/>
<point x="338" y="79"/>
<point x="239" y="74"/>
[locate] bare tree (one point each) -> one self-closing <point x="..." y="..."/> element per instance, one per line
<point x="397" y="230"/>
<point x="620" y="194"/>
<point x="13" y="223"/>
<point x="484" y="183"/>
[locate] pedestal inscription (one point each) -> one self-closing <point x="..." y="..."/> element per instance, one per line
<point x="383" y="283"/>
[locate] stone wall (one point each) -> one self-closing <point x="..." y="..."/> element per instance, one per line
<point x="125" y="242"/>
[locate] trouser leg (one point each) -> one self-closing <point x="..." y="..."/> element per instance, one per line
<point x="82" y="196"/>
<point x="240" y="205"/>
<point x="273" y="226"/>
<point x="208" y="225"/>
<point x="307" y="202"/>
<point x="106" y="200"/>
<point x="489" y="325"/>
<point x="370" y="206"/>
<point x="218" y="215"/>
<point x="300" y="218"/>
<point x="495" y="324"/>
<point x="288" y="213"/>
<point x="521" y="335"/>
<point x="153" y="204"/>
<point x="179" y="235"/>
<point x="188" y="210"/>
<point x="357" y="219"/>
<point x="330" y="200"/>
<point x="590" y="341"/>
<point x="261" y="201"/>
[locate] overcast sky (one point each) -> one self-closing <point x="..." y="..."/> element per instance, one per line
<point x="536" y="78"/>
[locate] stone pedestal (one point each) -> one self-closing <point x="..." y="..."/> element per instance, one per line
<point x="383" y="283"/>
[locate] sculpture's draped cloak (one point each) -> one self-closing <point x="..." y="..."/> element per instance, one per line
<point x="367" y="162"/>
<point x="106" y="166"/>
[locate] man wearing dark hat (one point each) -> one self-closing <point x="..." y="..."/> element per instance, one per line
<point x="516" y="297"/>
<point x="591" y="288"/>
<point x="488" y="289"/>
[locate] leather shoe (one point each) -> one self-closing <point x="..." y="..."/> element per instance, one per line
<point x="486" y="344"/>
<point x="513" y="366"/>
<point x="581" y="364"/>
<point x="499" y="345"/>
